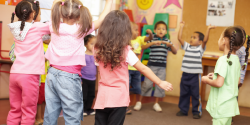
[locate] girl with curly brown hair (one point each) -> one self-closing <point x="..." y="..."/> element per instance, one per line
<point x="113" y="54"/>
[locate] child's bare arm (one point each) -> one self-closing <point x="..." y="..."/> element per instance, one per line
<point x="180" y="33"/>
<point x="173" y="49"/>
<point x="105" y="12"/>
<point x="150" y="37"/>
<point x="207" y="36"/>
<point x="150" y="44"/>
<point x="151" y="76"/>
<point x="215" y="83"/>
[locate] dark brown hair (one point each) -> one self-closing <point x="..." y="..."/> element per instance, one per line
<point x="24" y="9"/>
<point x="160" y="22"/>
<point x="237" y="38"/>
<point x="87" y="39"/>
<point x="113" y="37"/>
<point x="70" y="10"/>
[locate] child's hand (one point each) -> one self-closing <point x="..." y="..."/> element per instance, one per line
<point x="204" y="79"/>
<point x="166" y="86"/>
<point x="211" y="27"/>
<point x="148" y="31"/>
<point x="182" y="24"/>
<point x="210" y="76"/>
<point x="167" y="44"/>
<point x="157" y="43"/>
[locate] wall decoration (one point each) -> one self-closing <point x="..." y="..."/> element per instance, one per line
<point x="221" y="12"/>
<point x="144" y="4"/>
<point x="175" y="2"/>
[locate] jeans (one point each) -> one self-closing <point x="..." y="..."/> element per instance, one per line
<point x="135" y="81"/>
<point x="63" y="91"/>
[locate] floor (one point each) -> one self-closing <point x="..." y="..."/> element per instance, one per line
<point x="5" y="106"/>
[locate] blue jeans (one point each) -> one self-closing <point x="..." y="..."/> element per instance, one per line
<point x="135" y="81"/>
<point x="63" y="91"/>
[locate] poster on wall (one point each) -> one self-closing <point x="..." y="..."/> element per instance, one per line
<point x="221" y="12"/>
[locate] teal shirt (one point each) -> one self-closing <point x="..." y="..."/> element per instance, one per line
<point x="222" y="102"/>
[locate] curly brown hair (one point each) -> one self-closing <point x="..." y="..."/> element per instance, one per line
<point x="113" y="37"/>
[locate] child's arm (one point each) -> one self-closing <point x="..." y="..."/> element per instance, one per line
<point x="215" y="83"/>
<point x="151" y="76"/>
<point x="150" y="37"/>
<point x="180" y="33"/>
<point x="105" y="12"/>
<point x="207" y="36"/>
<point x="150" y="44"/>
<point x="173" y="49"/>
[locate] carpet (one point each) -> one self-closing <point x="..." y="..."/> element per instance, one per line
<point x="147" y="116"/>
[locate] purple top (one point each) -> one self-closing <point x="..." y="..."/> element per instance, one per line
<point x="89" y="71"/>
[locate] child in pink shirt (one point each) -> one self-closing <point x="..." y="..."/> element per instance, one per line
<point x="113" y="54"/>
<point x="29" y="63"/>
<point x="71" y="21"/>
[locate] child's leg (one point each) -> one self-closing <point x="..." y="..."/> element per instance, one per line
<point x="156" y="99"/>
<point x="195" y="93"/>
<point x="222" y="121"/>
<point x="53" y="103"/>
<point x="147" y="86"/>
<point x="15" y="96"/>
<point x="39" y="113"/>
<point x="110" y="116"/>
<point x="85" y="94"/>
<point x="135" y="82"/>
<point x="91" y="95"/>
<point x="41" y="99"/>
<point x="30" y="88"/>
<point x="184" y="93"/>
<point x="67" y="92"/>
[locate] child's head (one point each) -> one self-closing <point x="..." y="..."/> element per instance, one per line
<point x="71" y="12"/>
<point x="232" y="39"/>
<point x="135" y="30"/>
<point x="27" y="10"/>
<point x="113" y="36"/>
<point x="160" y="29"/>
<point x="89" y="42"/>
<point x="196" y="39"/>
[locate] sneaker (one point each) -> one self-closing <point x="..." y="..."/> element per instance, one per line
<point x="196" y="116"/>
<point x="128" y="111"/>
<point x="180" y="113"/>
<point x="92" y="113"/>
<point x="137" y="106"/>
<point x="157" y="107"/>
<point x="85" y="114"/>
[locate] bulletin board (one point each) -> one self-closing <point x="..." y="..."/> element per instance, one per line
<point x="194" y="15"/>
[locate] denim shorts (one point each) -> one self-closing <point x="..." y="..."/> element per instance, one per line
<point x="135" y="81"/>
<point x="63" y="92"/>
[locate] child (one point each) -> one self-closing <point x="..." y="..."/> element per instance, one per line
<point x="134" y="74"/>
<point x="89" y="76"/>
<point x="71" y="21"/>
<point x="192" y="68"/>
<point x="113" y="54"/>
<point x="159" y="47"/>
<point x="29" y="63"/>
<point x="41" y="97"/>
<point x="222" y="103"/>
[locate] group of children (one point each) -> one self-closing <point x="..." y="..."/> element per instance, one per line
<point x="70" y="82"/>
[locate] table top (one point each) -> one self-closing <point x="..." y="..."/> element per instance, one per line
<point x="6" y="62"/>
<point x="211" y="61"/>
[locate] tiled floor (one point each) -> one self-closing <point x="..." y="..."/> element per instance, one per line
<point x="5" y="106"/>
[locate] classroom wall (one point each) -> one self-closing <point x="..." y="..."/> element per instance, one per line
<point x="194" y="15"/>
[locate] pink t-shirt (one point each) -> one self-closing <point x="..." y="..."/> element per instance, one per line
<point x="113" y="88"/>
<point x="66" y="51"/>
<point x="29" y="47"/>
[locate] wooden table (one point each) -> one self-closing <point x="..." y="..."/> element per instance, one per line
<point x="5" y="62"/>
<point x="209" y="62"/>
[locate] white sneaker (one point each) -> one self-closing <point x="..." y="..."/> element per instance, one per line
<point x="157" y="107"/>
<point x="85" y="114"/>
<point x="137" y="106"/>
<point x="92" y="113"/>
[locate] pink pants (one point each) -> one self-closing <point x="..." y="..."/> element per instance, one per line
<point x="23" y="92"/>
